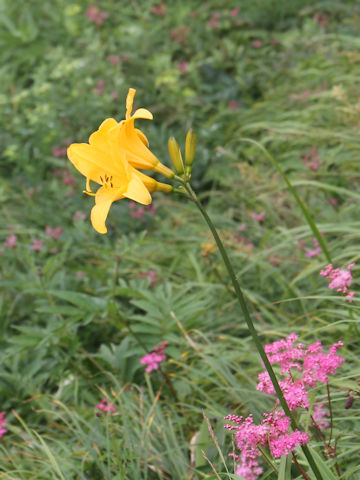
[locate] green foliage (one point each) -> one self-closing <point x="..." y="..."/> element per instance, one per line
<point x="77" y="315"/>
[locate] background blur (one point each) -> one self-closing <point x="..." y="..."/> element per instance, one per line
<point x="284" y="73"/>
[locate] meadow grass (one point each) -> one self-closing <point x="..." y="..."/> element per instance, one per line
<point x="78" y="313"/>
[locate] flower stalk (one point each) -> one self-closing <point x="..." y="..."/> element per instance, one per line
<point x="250" y="325"/>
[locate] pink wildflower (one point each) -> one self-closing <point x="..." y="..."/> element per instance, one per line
<point x="233" y="105"/>
<point x="313" y="252"/>
<point x="136" y="212"/>
<point x="54" y="233"/>
<point x="319" y="414"/>
<point x="151" y="209"/>
<point x="106" y="406"/>
<point x="3" y="422"/>
<point x="234" y="12"/>
<point x="213" y="22"/>
<point x="68" y="179"/>
<point x="239" y="23"/>
<point x="257" y="43"/>
<point x="37" y="244"/>
<point x="159" y="10"/>
<point x="10" y="241"/>
<point x="79" y="215"/>
<point x="258" y="216"/>
<point x="114" y="95"/>
<point x="272" y="432"/>
<point x="100" y="87"/>
<point x="321" y="19"/>
<point x="334" y="201"/>
<point x="95" y="15"/>
<point x="153" y="359"/>
<point x="179" y="34"/>
<point x="183" y="66"/>
<point x="59" y="151"/>
<point x="340" y="279"/>
<point x="151" y="275"/>
<point x="114" y="59"/>
<point x="311" y="160"/>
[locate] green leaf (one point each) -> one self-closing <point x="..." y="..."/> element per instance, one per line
<point x="81" y="300"/>
<point x="285" y="468"/>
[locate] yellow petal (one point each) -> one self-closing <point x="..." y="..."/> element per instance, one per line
<point x="103" y="199"/>
<point x="129" y="102"/>
<point x="142" y="137"/>
<point x="142" y="113"/>
<point x="99" y="138"/>
<point x="137" y="191"/>
<point x="138" y="155"/>
<point x="94" y="163"/>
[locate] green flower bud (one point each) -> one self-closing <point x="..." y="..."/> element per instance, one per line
<point x="190" y="146"/>
<point x="175" y="155"/>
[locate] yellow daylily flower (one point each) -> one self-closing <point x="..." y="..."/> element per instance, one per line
<point x="136" y="143"/>
<point x="106" y="161"/>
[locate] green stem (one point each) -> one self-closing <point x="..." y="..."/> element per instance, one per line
<point x="251" y="327"/>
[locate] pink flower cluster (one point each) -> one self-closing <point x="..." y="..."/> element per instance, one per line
<point x="150" y="275"/>
<point x="139" y="212"/>
<point x="310" y="365"/>
<point x="10" y="241"/>
<point x="301" y="368"/>
<point x="54" y="233"/>
<point x="258" y="216"/>
<point x="159" y="10"/>
<point x="183" y="66"/>
<point x="3" y="422"/>
<point x="153" y="359"/>
<point x="311" y="160"/>
<point x="95" y="15"/>
<point x="105" y="406"/>
<point x="271" y="432"/>
<point x="340" y="279"/>
<point x="179" y="34"/>
<point x="310" y="252"/>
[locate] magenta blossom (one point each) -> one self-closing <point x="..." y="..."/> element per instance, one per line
<point x="79" y="215"/>
<point x="54" y="233"/>
<point x="106" y="406"/>
<point x="95" y="15"/>
<point x="114" y="59"/>
<point x="183" y="66"/>
<point x="3" y="422"/>
<point x="258" y="216"/>
<point x="159" y="10"/>
<point x="153" y="359"/>
<point x="315" y="251"/>
<point x="272" y="432"/>
<point x="151" y="275"/>
<point x="10" y="241"/>
<point x="301" y="368"/>
<point x="37" y="244"/>
<point x="311" y="160"/>
<point x="340" y="279"/>
<point x="100" y="87"/>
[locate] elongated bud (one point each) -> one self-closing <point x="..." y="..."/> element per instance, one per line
<point x="190" y="147"/>
<point x="175" y="155"/>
